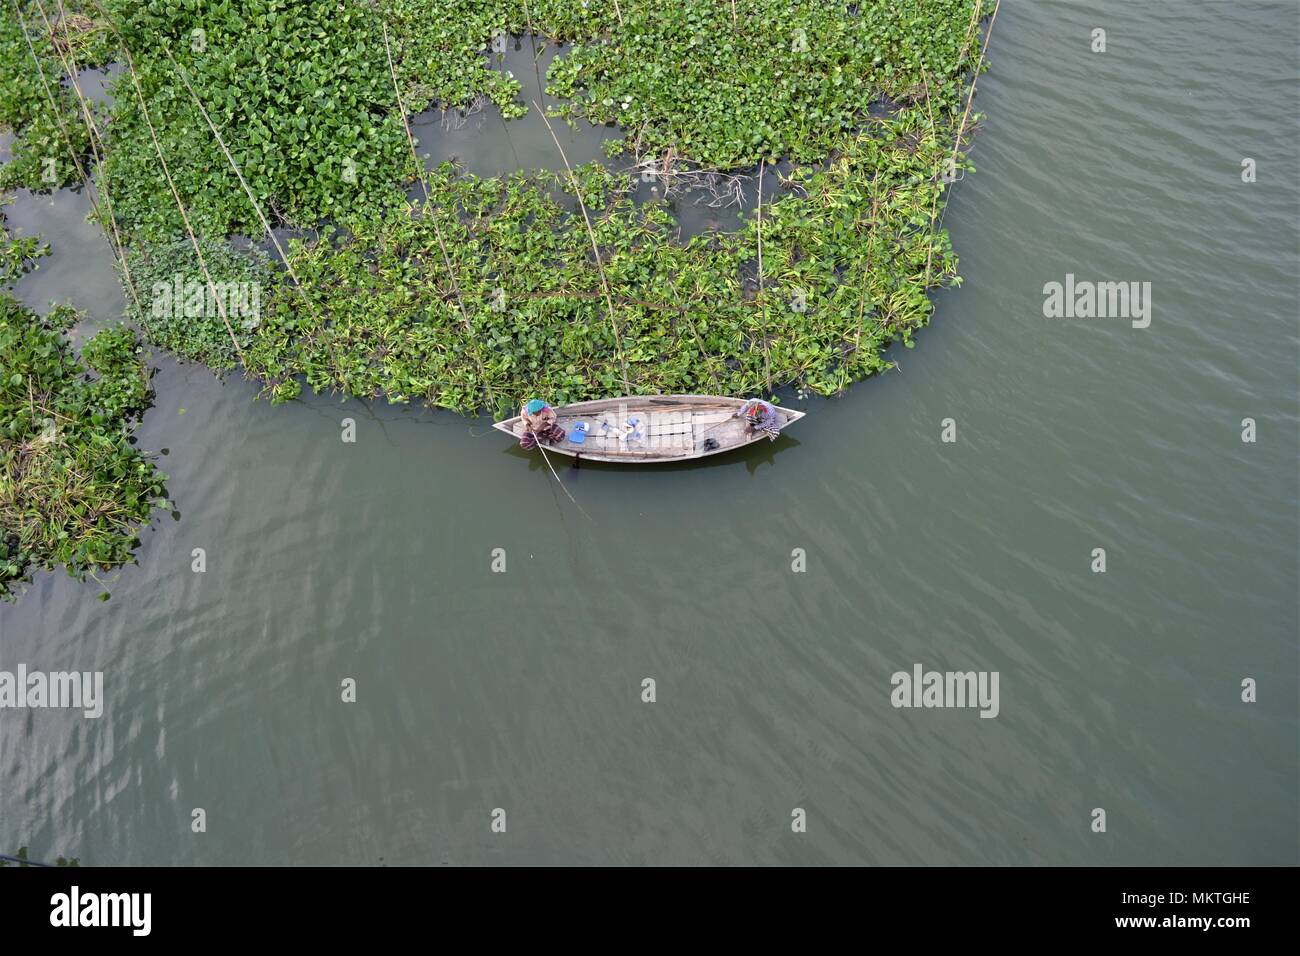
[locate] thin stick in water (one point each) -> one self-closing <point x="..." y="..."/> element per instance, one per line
<point x="546" y="458"/>
<point x="609" y="301"/>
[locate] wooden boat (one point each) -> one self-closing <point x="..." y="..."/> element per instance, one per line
<point x="652" y="429"/>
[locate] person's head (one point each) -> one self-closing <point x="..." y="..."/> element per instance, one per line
<point x="754" y="411"/>
<point x="534" y="406"/>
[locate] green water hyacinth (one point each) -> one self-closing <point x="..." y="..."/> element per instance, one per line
<point x="18" y="255"/>
<point x="781" y="79"/>
<point x="301" y="91"/>
<point x="74" y="491"/>
<point x="492" y="289"/>
<point x="48" y="143"/>
<point x="178" y="310"/>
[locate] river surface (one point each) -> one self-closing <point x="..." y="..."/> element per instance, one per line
<point x="522" y="690"/>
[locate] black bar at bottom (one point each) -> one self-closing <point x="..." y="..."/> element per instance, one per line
<point x="336" y="905"/>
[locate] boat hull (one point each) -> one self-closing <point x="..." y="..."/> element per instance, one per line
<point x="668" y="428"/>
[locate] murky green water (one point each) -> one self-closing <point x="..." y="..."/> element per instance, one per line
<point x="522" y="690"/>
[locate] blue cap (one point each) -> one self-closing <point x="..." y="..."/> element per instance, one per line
<point x="534" y="406"/>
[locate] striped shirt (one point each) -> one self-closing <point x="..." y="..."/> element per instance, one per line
<point x="767" y="420"/>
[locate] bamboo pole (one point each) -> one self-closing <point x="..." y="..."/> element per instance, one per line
<point x="767" y="369"/>
<point x="189" y="229"/>
<point x="437" y="230"/>
<point x="72" y="152"/>
<point x="442" y="245"/>
<point x="266" y="225"/>
<point x="595" y="248"/>
<point x="180" y="70"/>
<point x="135" y="80"/>
<point x="96" y="144"/>
<point x="546" y="458"/>
<point x="961" y="129"/>
<point x="988" y="37"/>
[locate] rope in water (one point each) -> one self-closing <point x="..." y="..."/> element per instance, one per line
<point x="547" y="459"/>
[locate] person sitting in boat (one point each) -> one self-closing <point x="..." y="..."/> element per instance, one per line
<point x="760" y="416"/>
<point x="539" y="424"/>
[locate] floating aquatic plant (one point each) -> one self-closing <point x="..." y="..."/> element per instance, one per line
<point x="45" y="115"/>
<point x="73" y="490"/>
<point x="182" y="313"/>
<point x="18" y="255"/>
<point x="724" y="85"/>
<point x="493" y="288"/>
<point x="300" y="90"/>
